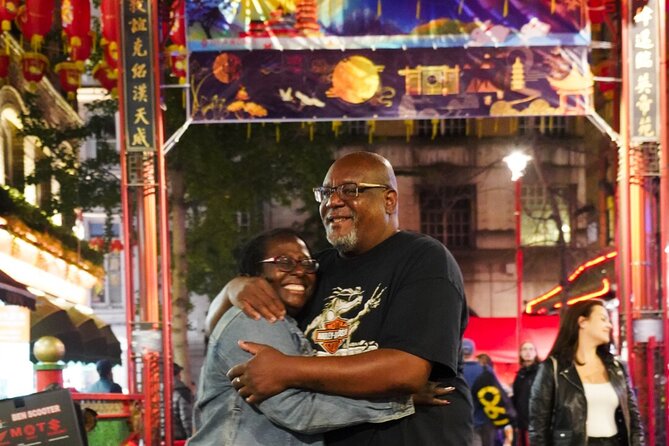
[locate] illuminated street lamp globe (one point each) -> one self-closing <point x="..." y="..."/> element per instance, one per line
<point x="516" y="162"/>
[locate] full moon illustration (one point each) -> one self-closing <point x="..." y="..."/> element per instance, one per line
<point x="355" y="80"/>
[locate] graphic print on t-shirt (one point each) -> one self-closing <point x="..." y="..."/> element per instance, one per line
<point x="332" y="331"/>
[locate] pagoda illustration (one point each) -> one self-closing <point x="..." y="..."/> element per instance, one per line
<point x="306" y="14"/>
<point x="279" y="24"/>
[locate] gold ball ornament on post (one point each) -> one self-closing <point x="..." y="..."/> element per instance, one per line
<point x="49" y="349"/>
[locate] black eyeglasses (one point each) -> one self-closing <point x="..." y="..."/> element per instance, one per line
<point x="288" y="265"/>
<point x="345" y="190"/>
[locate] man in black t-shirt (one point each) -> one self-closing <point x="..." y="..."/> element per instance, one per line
<point x="387" y="317"/>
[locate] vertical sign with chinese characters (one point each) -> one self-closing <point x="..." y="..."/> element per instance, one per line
<point x="138" y="82"/>
<point x="644" y="72"/>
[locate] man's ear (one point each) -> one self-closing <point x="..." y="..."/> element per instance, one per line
<point x="391" y="201"/>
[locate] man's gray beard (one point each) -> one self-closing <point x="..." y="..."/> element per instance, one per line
<point x="344" y="243"/>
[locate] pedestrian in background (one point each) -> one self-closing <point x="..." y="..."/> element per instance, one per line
<point x="492" y="406"/>
<point x="182" y="406"/>
<point x="106" y="382"/>
<point x="522" y="386"/>
<point x="582" y="394"/>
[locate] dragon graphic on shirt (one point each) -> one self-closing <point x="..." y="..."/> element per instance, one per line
<point x="332" y="332"/>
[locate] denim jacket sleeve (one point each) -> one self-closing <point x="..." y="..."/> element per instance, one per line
<point x="301" y="410"/>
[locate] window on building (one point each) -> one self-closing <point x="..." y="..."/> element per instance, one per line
<point x="545" y="125"/>
<point x="445" y="127"/>
<point x="111" y="295"/>
<point x="12" y="149"/>
<point x="97" y="229"/>
<point x="447" y="214"/>
<point x="539" y="228"/>
<point x="243" y="221"/>
<point x="356" y="127"/>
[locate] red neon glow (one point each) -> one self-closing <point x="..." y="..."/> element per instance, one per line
<point x="589" y="264"/>
<point x="606" y="287"/>
<point x="543" y="297"/>
<point x="573" y="276"/>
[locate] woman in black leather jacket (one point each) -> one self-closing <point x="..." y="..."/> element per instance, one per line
<point x="593" y="402"/>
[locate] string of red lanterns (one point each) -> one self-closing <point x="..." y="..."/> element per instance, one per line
<point x="76" y="20"/>
<point x="8" y="11"/>
<point x="176" y="52"/>
<point x="34" y="19"/>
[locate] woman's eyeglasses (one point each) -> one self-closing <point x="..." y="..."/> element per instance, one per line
<point x="288" y="264"/>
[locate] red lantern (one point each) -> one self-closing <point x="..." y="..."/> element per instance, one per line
<point x="70" y="77"/>
<point x="96" y="243"/>
<point x="116" y="245"/>
<point x="80" y="49"/>
<point x="111" y="54"/>
<point x="8" y="11"/>
<point x="33" y="66"/>
<point x="110" y="25"/>
<point x="176" y="53"/>
<point x="4" y="65"/>
<point x="177" y="60"/>
<point x="34" y="20"/>
<point x="177" y="23"/>
<point x="107" y="76"/>
<point x="76" y="19"/>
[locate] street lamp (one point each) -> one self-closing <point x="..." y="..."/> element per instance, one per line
<point x="516" y="162"/>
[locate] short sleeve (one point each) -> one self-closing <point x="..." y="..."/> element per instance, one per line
<point x="425" y="317"/>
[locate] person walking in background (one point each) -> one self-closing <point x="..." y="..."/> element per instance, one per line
<point x="522" y="386"/>
<point x="492" y="406"/>
<point x="106" y="382"/>
<point x="182" y="406"/>
<point x="582" y="394"/>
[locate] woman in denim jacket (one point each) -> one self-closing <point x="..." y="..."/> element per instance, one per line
<point x="582" y="394"/>
<point x="295" y="416"/>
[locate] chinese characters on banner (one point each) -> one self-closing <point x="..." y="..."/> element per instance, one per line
<point x="644" y="72"/>
<point x="138" y="83"/>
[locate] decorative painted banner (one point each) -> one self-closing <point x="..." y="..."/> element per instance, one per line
<point x="389" y="84"/>
<point x="273" y="60"/>
<point x="217" y="25"/>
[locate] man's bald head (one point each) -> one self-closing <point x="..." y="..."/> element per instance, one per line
<point x="356" y="224"/>
<point x="376" y="168"/>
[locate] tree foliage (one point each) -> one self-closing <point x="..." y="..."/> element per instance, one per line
<point x="83" y="184"/>
<point x="231" y="175"/>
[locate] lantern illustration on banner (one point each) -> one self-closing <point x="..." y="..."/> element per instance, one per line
<point x="176" y="52"/>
